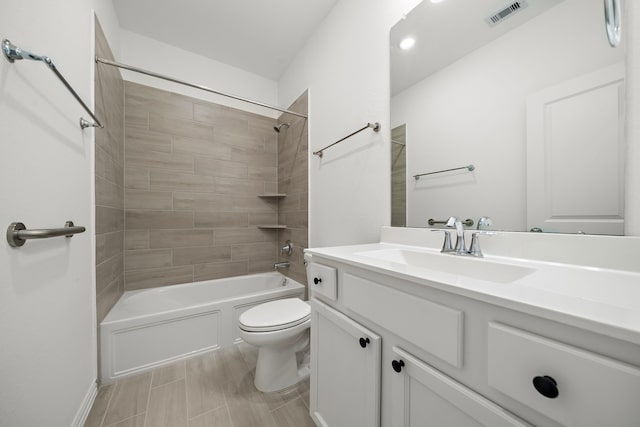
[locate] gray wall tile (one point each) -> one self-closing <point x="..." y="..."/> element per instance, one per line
<point x="209" y="202"/>
<point x="221" y="219"/>
<point x="179" y="127"/>
<point x="220" y="270"/>
<point x="194" y="171"/>
<point x="136" y="179"/>
<point x="147" y="258"/>
<point x="205" y="147"/>
<point x="142" y="279"/>
<point x="136" y="239"/>
<point x="293" y="155"/>
<point x="152" y="200"/>
<point x="224" y="168"/>
<point x="109" y="179"/>
<point x="141" y="139"/>
<point x="148" y="220"/>
<point x="175" y="181"/>
<point x="180" y="238"/>
<point x="141" y="159"/>
<point x="211" y="254"/>
<point x="227" y="236"/>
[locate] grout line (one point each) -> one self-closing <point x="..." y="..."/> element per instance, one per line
<point x="146" y="412"/>
<point x="186" y="388"/>
<point x="226" y="403"/>
<point x="167" y="383"/>
<point x="186" y="402"/>
<point x="127" y="419"/>
<point x="106" y="411"/>
<point x="228" y="412"/>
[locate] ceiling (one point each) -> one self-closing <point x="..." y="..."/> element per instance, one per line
<point x="446" y="31"/>
<point x="259" y="36"/>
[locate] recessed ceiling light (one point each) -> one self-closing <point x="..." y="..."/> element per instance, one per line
<point x="407" y="43"/>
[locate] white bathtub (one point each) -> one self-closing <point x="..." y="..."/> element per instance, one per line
<point x="152" y="327"/>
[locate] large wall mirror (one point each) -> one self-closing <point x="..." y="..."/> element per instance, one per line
<point x="511" y="110"/>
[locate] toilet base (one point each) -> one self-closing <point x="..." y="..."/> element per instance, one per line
<point x="278" y="368"/>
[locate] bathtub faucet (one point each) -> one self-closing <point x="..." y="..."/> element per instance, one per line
<point x="278" y="265"/>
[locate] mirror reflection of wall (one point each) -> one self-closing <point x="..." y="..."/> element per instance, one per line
<point x="398" y="176"/>
<point x="472" y="109"/>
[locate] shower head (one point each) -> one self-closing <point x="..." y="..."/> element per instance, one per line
<point x="279" y="127"/>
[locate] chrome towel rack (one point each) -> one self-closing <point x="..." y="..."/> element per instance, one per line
<point x="17" y="233"/>
<point x="13" y="53"/>
<point x="375" y="126"/>
<point x="469" y="168"/>
<point x="468" y="222"/>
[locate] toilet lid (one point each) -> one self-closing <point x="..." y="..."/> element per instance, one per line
<point x="275" y="315"/>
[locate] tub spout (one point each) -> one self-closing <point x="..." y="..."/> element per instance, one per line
<point x="278" y="265"/>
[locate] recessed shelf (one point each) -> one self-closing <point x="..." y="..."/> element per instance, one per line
<point x="272" y="226"/>
<point x="273" y="195"/>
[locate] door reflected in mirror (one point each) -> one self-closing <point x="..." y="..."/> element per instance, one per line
<point x="534" y="101"/>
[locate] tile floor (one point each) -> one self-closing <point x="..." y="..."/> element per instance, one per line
<point x="215" y="389"/>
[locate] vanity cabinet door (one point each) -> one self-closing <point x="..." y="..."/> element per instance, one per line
<point x="345" y="370"/>
<point x="423" y="396"/>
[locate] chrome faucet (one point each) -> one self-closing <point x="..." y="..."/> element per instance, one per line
<point x="461" y="247"/>
<point x="278" y="265"/>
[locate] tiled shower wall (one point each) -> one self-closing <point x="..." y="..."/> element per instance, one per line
<point x="109" y="180"/>
<point x="194" y="173"/>
<point x="399" y="177"/>
<point x="293" y="154"/>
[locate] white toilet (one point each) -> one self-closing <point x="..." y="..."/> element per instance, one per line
<point x="280" y="330"/>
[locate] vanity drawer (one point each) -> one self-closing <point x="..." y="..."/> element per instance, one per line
<point x="433" y="327"/>
<point x="592" y="390"/>
<point x="323" y="280"/>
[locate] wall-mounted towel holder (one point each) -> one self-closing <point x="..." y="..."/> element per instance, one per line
<point x="375" y="126"/>
<point x="13" y="53"/>
<point x="469" y="168"/>
<point x="17" y="233"/>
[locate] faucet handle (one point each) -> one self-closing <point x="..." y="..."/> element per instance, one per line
<point x="446" y="245"/>
<point x="484" y="222"/>
<point x="475" y="250"/>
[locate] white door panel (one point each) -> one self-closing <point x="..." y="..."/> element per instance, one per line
<point x="575" y="155"/>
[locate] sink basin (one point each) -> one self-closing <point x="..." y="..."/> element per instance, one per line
<point x="476" y="268"/>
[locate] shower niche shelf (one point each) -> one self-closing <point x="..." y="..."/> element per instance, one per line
<point x="272" y="226"/>
<point x="272" y="195"/>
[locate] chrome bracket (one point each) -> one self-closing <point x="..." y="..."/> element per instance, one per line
<point x="12" y="234"/>
<point x="87" y="124"/>
<point x="9" y="50"/>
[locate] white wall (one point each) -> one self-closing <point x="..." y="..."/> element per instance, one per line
<point x="161" y="58"/>
<point x="632" y="198"/>
<point x="47" y="303"/>
<point x="345" y="65"/>
<point x="474" y="112"/>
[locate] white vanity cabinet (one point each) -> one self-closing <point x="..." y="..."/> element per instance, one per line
<point x="437" y="359"/>
<point x="345" y="370"/>
<point x="424" y="397"/>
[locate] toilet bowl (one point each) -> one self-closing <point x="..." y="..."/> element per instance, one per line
<point x="280" y="330"/>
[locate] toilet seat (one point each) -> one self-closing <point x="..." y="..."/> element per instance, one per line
<point x="275" y="315"/>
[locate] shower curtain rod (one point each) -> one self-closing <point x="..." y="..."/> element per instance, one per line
<point x="204" y="88"/>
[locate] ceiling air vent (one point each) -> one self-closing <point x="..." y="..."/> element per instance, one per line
<point x="506" y="12"/>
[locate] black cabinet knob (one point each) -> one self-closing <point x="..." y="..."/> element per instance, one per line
<point x="546" y="386"/>
<point x="397" y="365"/>
<point x="317" y="280"/>
<point x="364" y="342"/>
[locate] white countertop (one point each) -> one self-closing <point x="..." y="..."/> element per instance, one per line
<point x="603" y="300"/>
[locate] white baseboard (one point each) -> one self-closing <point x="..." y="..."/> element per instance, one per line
<point x="87" y="403"/>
